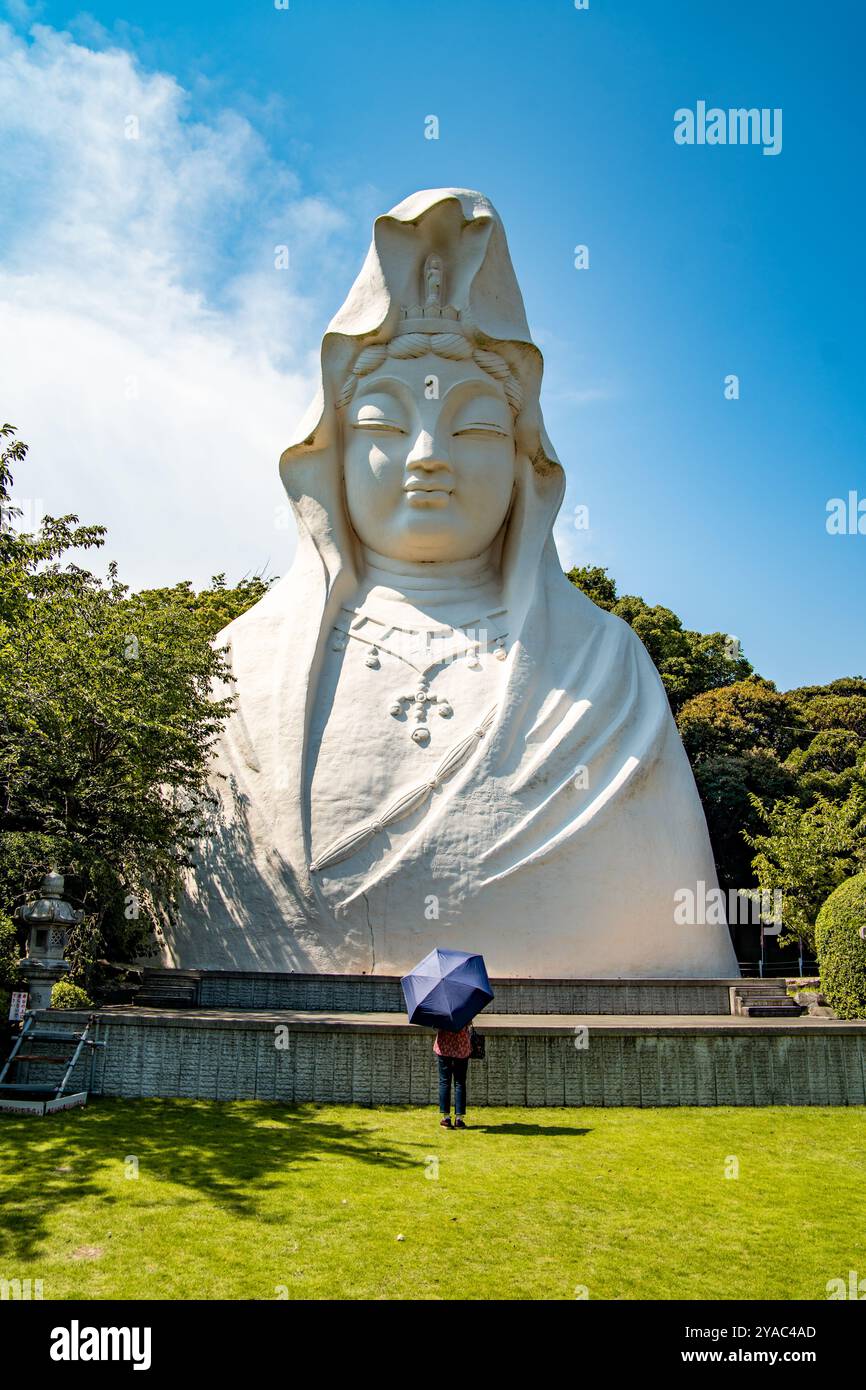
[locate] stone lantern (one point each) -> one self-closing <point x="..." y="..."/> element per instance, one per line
<point x="49" y="919"/>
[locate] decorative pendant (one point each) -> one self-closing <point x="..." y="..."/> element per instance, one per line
<point x="419" y="703"/>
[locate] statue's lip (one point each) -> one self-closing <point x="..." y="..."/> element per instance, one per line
<point x="426" y="487"/>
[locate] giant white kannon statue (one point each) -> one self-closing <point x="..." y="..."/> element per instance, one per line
<point x="437" y="740"/>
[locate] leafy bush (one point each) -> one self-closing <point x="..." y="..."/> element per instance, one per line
<point x="841" y="952"/>
<point x="66" y="995"/>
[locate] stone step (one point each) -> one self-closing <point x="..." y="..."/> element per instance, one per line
<point x="773" y="1011"/>
<point x="765" y="999"/>
<point x="761" y="987"/>
<point x="166" y="993"/>
<point x="769" y="999"/>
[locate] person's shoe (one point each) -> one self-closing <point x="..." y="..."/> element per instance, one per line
<point x="459" y="1123"/>
<point x="445" y="1122"/>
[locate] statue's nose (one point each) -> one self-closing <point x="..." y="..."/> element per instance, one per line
<point x="424" y="453"/>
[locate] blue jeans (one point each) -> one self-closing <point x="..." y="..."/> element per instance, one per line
<point x="452" y="1067"/>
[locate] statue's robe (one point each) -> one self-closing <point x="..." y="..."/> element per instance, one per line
<point x="556" y="851"/>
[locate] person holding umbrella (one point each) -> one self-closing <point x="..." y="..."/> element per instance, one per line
<point x="453" y="1051"/>
<point x="445" y="991"/>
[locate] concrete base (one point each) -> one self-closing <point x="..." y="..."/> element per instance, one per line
<point x="555" y="1060"/>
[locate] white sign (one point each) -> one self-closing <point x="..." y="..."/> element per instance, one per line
<point x="17" y="1005"/>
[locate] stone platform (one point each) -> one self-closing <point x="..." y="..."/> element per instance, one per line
<point x="238" y="989"/>
<point x="579" y="1059"/>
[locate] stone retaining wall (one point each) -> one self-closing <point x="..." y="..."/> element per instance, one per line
<point x="331" y="1062"/>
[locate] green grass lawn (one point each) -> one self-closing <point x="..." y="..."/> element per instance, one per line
<point x="253" y="1200"/>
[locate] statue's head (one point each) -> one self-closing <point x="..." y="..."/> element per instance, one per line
<point x="429" y="446"/>
<point x="426" y="437"/>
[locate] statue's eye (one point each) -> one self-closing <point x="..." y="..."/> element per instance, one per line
<point x="482" y="428"/>
<point x="369" y="421"/>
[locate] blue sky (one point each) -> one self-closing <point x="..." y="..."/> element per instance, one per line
<point x="158" y="359"/>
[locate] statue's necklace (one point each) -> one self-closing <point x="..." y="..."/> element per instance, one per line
<point x="417" y="648"/>
<point x="423" y="650"/>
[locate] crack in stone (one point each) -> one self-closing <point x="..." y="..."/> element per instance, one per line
<point x="372" y="938"/>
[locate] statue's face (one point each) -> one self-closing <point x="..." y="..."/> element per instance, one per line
<point x="428" y="479"/>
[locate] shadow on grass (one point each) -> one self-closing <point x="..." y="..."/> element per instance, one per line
<point x="531" y="1131"/>
<point x="231" y="1154"/>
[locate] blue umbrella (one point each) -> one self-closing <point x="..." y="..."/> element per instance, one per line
<point x="447" y="989"/>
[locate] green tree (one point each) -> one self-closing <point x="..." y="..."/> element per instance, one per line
<point x="215" y="607"/>
<point x="830" y="757"/>
<point x="745" y="717"/>
<point x="596" y="583"/>
<point x="830" y="766"/>
<point x="807" y="852"/>
<point x="106" y="728"/>
<point x="839" y="705"/>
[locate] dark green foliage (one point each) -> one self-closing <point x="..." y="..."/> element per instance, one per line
<point x="727" y="785"/>
<point x="746" y="717"/>
<point x="9" y="952"/>
<point x="831" y="764"/>
<point x="841" y="951"/>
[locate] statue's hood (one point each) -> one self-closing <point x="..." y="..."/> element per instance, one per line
<point x="465" y="230"/>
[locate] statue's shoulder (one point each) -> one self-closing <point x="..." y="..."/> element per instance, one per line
<point x="581" y="609"/>
<point x="585" y="619"/>
<point x="260" y="618"/>
<point x="254" y="639"/>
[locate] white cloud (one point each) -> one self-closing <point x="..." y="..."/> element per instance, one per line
<point x="151" y="354"/>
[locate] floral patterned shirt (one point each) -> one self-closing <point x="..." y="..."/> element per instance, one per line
<point x="453" y="1044"/>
